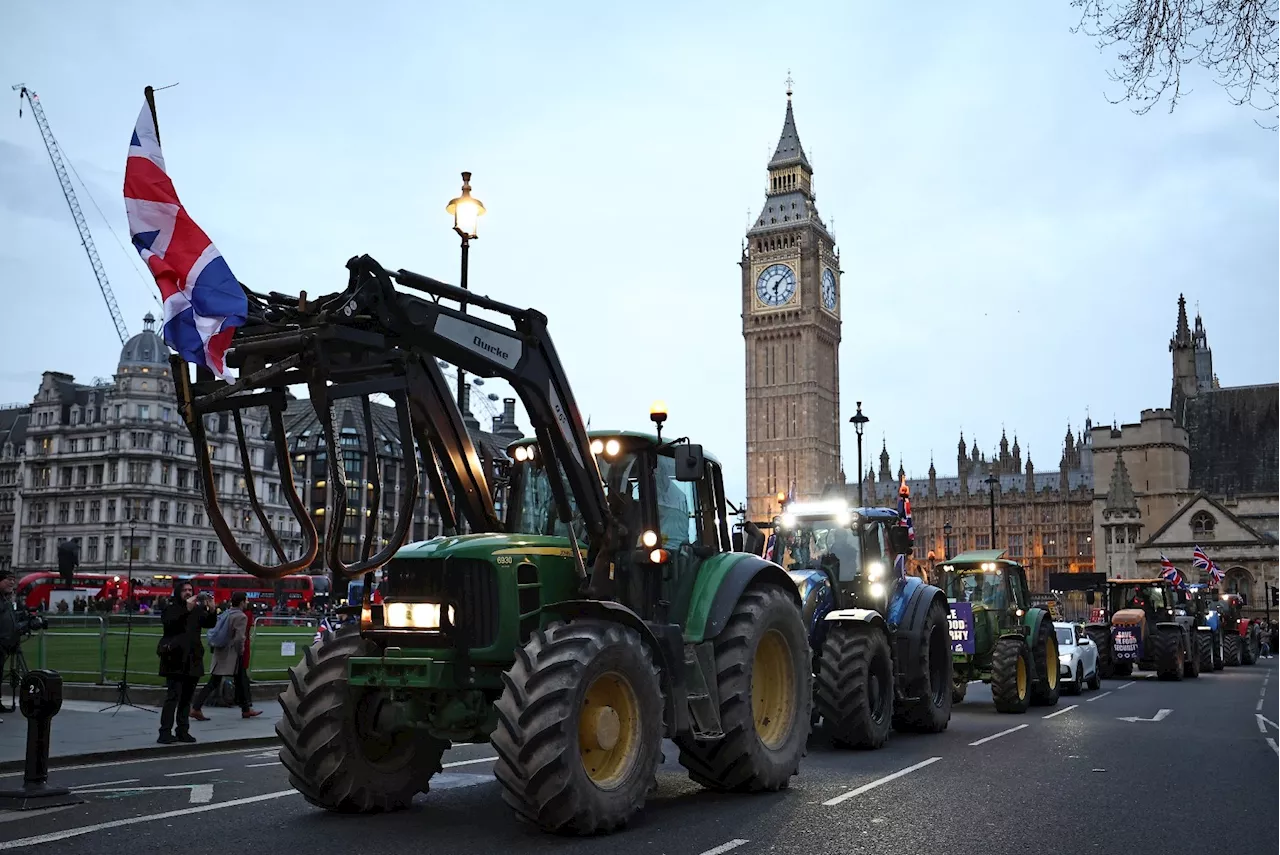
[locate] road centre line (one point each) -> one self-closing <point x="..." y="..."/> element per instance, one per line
<point x="1097" y="697"/>
<point x="135" y="820"/>
<point x="1061" y="711"/>
<point x="486" y="760"/>
<point x="260" y="765"/>
<point x="886" y="779"/>
<point x="1126" y="685"/>
<point x="724" y="847"/>
<point x="1258" y="708"/>
<point x="998" y="735"/>
<point x="106" y="784"/>
<point x="1261" y="719"/>
<point x="1262" y="728"/>
<point x="1272" y="743"/>
<point x="195" y="772"/>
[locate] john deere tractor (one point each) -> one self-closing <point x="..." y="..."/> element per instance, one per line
<point x="881" y="651"/>
<point x="1153" y="627"/>
<point x="1241" y="637"/>
<point x="997" y="636"/>
<point x="603" y="610"/>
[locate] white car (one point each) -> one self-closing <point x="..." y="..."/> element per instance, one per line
<point x="1077" y="659"/>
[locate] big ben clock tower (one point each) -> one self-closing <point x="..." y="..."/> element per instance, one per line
<point x="791" y="324"/>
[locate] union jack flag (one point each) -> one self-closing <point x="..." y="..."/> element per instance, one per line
<point x="900" y="565"/>
<point x="769" y="547"/>
<point x="203" y="302"/>
<point x="1200" y="560"/>
<point x="791" y="493"/>
<point x="1171" y="574"/>
<point x="321" y="630"/>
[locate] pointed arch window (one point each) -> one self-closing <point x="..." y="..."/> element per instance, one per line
<point x="1203" y="525"/>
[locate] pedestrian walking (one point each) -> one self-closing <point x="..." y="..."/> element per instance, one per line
<point x="182" y="658"/>
<point x="228" y="659"/>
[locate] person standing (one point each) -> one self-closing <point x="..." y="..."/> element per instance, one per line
<point x="228" y="661"/>
<point x="182" y="658"/>
<point x="10" y="633"/>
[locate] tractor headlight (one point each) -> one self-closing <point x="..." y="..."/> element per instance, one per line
<point x="416" y="615"/>
<point x="875" y="570"/>
<point x="877" y="590"/>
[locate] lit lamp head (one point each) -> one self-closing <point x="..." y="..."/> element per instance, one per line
<point x="859" y="420"/>
<point x="466" y="210"/>
<point x="658" y="415"/>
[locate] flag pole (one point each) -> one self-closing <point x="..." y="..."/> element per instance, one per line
<point x="150" y="94"/>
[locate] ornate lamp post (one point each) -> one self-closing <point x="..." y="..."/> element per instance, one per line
<point x="991" y="483"/>
<point x="466" y="211"/>
<point x="859" y="424"/>
<point x="946" y="541"/>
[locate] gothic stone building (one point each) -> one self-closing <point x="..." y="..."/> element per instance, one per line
<point x="1202" y="472"/>
<point x="13" y="448"/>
<point x="791" y="324"/>
<point x="1043" y="519"/>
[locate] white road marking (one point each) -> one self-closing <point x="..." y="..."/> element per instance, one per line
<point x="1258" y="707"/>
<point x="135" y="820"/>
<point x="201" y="794"/>
<point x="723" y="847"/>
<point x="260" y="765"/>
<point x="998" y="735"/>
<point x="1272" y="743"/>
<point x="1261" y="719"/>
<point x="1061" y="711"/>
<point x="871" y="786"/>
<point x="194" y="772"/>
<point x="1126" y="685"/>
<point x="1159" y="716"/>
<point x="473" y="762"/>
<point x="1097" y="697"/>
<point x="107" y="784"/>
<point x="163" y="756"/>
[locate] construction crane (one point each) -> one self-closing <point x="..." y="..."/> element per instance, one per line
<point x="86" y="239"/>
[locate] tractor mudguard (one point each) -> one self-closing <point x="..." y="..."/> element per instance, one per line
<point x="721" y="581"/>
<point x="816" y="600"/>
<point x="1211" y="620"/>
<point x="1175" y="625"/>
<point x="870" y="616"/>
<point x="917" y="599"/>
<point x="900" y="597"/>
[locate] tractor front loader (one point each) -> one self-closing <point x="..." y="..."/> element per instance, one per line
<point x="604" y="610"/>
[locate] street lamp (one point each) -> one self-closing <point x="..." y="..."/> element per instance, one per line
<point x="859" y="424"/>
<point x="946" y="541"/>
<point x="991" y="483"/>
<point x="466" y="211"/>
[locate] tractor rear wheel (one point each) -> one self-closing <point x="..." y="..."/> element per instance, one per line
<point x="1204" y="642"/>
<point x="854" y="685"/>
<point x="1231" y="647"/>
<point x="764" y="672"/>
<point x="932" y="673"/>
<point x="1191" y="657"/>
<point x="959" y="688"/>
<point x="1045" y="689"/>
<point x="1011" y="675"/>
<point x="1101" y="639"/>
<point x="1216" y="645"/>
<point x="1169" y="657"/>
<point x="1122" y="669"/>
<point x="579" y="732"/>
<point x="1249" y="646"/>
<point x="339" y="754"/>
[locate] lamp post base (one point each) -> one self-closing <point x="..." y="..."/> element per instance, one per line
<point x="38" y="797"/>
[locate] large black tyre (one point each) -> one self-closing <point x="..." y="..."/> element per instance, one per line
<point x="959" y="688"/>
<point x="1101" y="638"/>
<point x="1045" y="689"/>
<point x="1204" y="645"/>
<point x="931" y="711"/>
<point x="329" y="743"/>
<point x="1168" y="654"/>
<point x="854" y="685"/>
<point x="1218" y="663"/>
<point x="1122" y="669"/>
<point x="579" y="732"/>
<point x="1010" y="675"/>
<point x="1191" y="656"/>
<point x="765" y="637"/>
<point x="1231" y="648"/>
<point x="1250" y="646"/>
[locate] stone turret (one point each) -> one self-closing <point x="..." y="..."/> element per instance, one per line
<point x="1121" y="523"/>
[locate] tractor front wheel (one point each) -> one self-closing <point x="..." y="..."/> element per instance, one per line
<point x="1204" y="644"/>
<point x="1231" y="647"/>
<point x="764" y="673"/>
<point x="1191" y="657"/>
<point x="1101" y="639"/>
<point x="1169" y="657"/>
<point x="1011" y="675"/>
<point x="336" y="743"/>
<point x="931" y="674"/>
<point x="1250" y="646"/>
<point x="1216" y="645"/>
<point x="1045" y="690"/>
<point x="579" y="727"/>
<point x="854" y="685"/>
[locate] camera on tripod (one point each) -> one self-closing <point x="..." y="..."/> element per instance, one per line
<point x="30" y="621"/>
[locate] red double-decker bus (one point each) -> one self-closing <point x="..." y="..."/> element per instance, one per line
<point x="298" y="591"/>
<point x="34" y="589"/>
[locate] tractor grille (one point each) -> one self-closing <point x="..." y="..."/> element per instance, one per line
<point x="470" y="585"/>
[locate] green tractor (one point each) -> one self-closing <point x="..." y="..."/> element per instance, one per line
<point x="997" y="636"/>
<point x="604" y="610"/>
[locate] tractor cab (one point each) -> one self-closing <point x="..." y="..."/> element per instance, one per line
<point x="994" y="587"/>
<point x="853" y="548"/>
<point x="1156" y="599"/>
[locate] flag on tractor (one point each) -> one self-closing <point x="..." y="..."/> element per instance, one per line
<point x="791" y="493"/>
<point x="769" y="547"/>
<point x="900" y="565"/>
<point x="1201" y="561"/>
<point x="203" y="302"/>
<point x="904" y="509"/>
<point x="321" y="630"/>
<point x="1171" y="574"/>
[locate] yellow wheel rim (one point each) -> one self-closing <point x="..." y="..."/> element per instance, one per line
<point x="1022" y="677"/>
<point x="1051" y="661"/>
<point x="609" y="730"/>
<point x="773" y="680"/>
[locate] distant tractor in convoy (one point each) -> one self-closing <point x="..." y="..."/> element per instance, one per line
<point x="1241" y="637"/>
<point x="1151" y="627"/>
<point x="998" y="637"/>
<point x="881" y="650"/>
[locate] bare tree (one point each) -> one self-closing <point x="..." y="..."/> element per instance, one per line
<point x="1235" y="40"/>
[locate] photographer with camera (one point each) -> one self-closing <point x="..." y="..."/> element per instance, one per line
<point x="182" y="657"/>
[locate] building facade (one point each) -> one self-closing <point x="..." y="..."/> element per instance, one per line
<point x="13" y="450"/>
<point x="1202" y="472"/>
<point x="790" y="270"/>
<point x="1042" y="519"/>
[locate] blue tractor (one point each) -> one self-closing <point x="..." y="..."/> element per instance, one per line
<point x="882" y="650"/>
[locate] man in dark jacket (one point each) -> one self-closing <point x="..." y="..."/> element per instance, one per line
<point x="10" y="634"/>
<point x="182" y="658"/>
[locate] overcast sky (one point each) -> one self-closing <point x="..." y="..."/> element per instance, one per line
<point x="1013" y="244"/>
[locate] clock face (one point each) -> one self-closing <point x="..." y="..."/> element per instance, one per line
<point x="776" y="285"/>
<point x="829" y="290"/>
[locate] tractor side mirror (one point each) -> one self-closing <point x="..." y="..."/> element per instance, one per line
<point x="753" y="539"/>
<point x="691" y="465"/>
<point x="899" y="540"/>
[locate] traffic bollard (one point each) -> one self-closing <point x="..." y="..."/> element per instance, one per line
<point x="40" y="698"/>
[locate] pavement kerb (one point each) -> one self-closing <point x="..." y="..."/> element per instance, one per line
<point x="178" y="750"/>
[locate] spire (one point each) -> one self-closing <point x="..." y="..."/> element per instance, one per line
<point x="933" y="473"/>
<point x="962" y="448"/>
<point x="789" y="150"/>
<point x="885" y="473"/>
<point x="1120" y="496"/>
<point x="902" y="473"/>
<point x="1182" y="336"/>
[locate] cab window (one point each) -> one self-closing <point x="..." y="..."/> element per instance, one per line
<point x="677" y="503"/>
